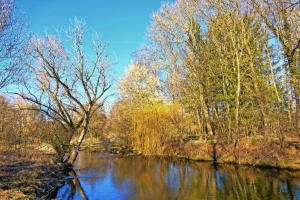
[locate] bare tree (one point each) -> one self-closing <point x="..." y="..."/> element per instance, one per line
<point x="11" y="43"/>
<point x="68" y="86"/>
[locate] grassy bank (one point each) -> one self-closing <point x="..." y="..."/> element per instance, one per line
<point x="257" y="151"/>
<point x="28" y="174"/>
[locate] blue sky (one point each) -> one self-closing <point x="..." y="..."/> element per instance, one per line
<point x="121" y="23"/>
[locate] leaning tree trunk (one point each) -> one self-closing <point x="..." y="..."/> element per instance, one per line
<point x="75" y="150"/>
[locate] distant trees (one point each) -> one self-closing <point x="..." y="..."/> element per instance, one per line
<point x="68" y="86"/>
<point x="11" y="43"/>
<point x="97" y="127"/>
<point x="139" y="84"/>
<point x="120" y="123"/>
<point x="19" y="128"/>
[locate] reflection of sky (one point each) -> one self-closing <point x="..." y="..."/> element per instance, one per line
<point x="173" y="177"/>
<point x="298" y="192"/>
<point x="64" y="193"/>
<point x="284" y="189"/>
<point x="219" y="184"/>
<point x="102" y="188"/>
<point x="173" y="180"/>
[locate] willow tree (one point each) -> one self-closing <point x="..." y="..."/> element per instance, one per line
<point x="68" y="86"/>
<point x="143" y="103"/>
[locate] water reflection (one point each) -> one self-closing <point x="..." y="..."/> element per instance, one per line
<point x="72" y="188"/>
<point x="156" y="178"/>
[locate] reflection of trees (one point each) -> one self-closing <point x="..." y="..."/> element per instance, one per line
<point x="149" y="178"/>
<point x="155" y="178"/>
<point x="77" y="186"/>
<point x="74" y="186"/>
<point x="159" y="178"/>
<point x="88" y="163"/>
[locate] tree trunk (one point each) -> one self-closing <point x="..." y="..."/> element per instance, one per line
<point x="75" y="150"/>
<point x="237" y="97"/>
<point x="228" y="116"/>
<point x="295" y="82"/>
<point x="199" y="125"/>
<point x="259" y="98"/>
<point x="288" y="93"/>
<point x="205" y="110"/>
<point x="257" y="93"/>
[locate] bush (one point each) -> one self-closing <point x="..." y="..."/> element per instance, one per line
<point x="253" y="141"/>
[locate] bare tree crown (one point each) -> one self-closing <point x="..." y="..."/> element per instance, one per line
<point x="11" y="43"/>
<point x="68" y="84"/>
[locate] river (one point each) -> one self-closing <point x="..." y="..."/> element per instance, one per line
<point x="138" y="178"/>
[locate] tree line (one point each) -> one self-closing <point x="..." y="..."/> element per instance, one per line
<point x="219" y="70"/>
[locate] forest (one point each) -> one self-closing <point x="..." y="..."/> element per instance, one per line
<point x="216" y="80"/>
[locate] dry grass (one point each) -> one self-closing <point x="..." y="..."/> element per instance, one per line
<point x="257" y="152"/>
<point x="23" y="174"/>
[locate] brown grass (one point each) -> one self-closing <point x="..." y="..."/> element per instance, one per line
<point x="262" y="152"/>
<point x="23" y="174"/>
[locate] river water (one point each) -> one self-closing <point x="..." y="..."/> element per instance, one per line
<point x="139" y="178"/>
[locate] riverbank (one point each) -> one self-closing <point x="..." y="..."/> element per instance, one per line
<point x="31" y="173"/>
<point x="28" y="174"/>
<point x="257" y="152"/>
